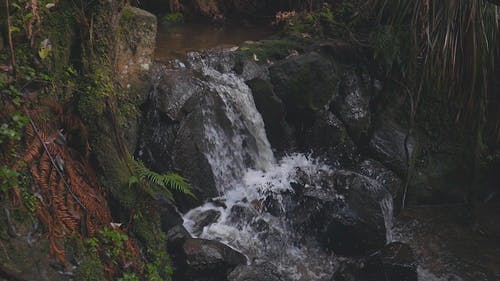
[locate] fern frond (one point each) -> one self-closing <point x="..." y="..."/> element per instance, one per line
<point x="165" y="182"/>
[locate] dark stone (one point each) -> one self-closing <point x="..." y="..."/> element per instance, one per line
<point x="177" y="234"/>
<point x="205" y="260"/>
<point x="305" y="84"/>
<point x="395" y="262"/>
<point x="387" y="178"/>
<point x="203" y="219"/>
<point x="241" y="213"/>
<point x="352" y="104"/>
<point x="342" y="211"/>
<point x="188" y="156"/>
<point x="260" y="272"/>
<point x="330" y="141"/>
<point x="348" y="271"/>
<point x="390" y="145"/>
<point x="273" y="113"/>
<point x="169" y="216"/>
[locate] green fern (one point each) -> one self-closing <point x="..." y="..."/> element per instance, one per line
<point x="165" y="182"/>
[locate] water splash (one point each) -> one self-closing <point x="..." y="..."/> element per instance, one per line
<point x="246" y="225"/>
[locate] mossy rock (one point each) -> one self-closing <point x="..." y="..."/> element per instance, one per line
<point x="305" y="83"/>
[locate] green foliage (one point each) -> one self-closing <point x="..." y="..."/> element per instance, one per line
<point x="29" y="201"/>
<point x="450" y="43"/>
<point x="164" y="183"/>
<point x="12" y="129"/>
<point x="172" y="18"/>
<point x="113" y="242"/>
<point x="8" y="178"/>
<point x="129" y="276"/>
<point x="86" y="253"/>
<point x="391" y="48"/>
<point x="159" y="268"/>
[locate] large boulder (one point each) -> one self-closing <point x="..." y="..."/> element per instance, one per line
<point x="305" y="84"/>
<point x="205" y="260"/>
<point x="344" y="213"/>
<point x="135" y="45"/>
<point x="352" y="103"/>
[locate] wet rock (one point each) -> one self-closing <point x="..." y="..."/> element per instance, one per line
<point x="391" y="146"/>
<point x="174" y="88"/>
<point x="305" y="84"/>
<point x="380" y="173"/>
<point x="330" y="140"/>
<point x="250" y="70"/>
<point x="205" y="260"/>
<point x="241" y="213"/>
<point x="273" y="113"/>
<point x="203" y="219"/>
<point x="352" y="104"/>
<point x="188" y="156"/>
<point x="344" y="213"/>
<point x="395" y="262"/>
<point x="260" y="272"/>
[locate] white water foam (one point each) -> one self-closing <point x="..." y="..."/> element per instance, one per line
<point x="262" y="236"/>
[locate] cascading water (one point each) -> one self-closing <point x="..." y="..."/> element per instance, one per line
<point x="241" y="144"/>
<point x="255" y="190"/>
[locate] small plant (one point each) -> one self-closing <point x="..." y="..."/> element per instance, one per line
<point x="128" y="276"/>
<point x="114" y="242"/>
<point x="8" y="179"/>
<point x="173" y="18"/>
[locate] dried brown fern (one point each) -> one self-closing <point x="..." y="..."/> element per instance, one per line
<point x="71" y="202"/>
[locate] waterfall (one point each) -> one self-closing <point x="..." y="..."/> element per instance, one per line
<point x="235" y="139"/>
<point x="386" y="205"/>
<point x="257" y="212"/>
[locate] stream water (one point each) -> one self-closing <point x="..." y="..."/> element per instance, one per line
<point x="174" y="42"/>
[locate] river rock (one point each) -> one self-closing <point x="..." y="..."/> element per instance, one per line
<point x="386" y="177"/>
<point x="330" y="140"/>
<point x="205" y="260"/>
<point x="343" y="213"/>
<point x="305" y="84"/>
<point x="260" y="272"/>
<point x="203" y="219"/>
<point x="273" y="113"/>
<point x="395" y="262"/>
<point x="188" y="156"/>
<point x="391" y="146"/>
<point x="352" y="103"/>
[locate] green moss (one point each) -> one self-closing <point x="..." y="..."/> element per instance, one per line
<point x="271" y="49"/>
<point x="90" y="268"/>
<point x="172" y="19"/>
